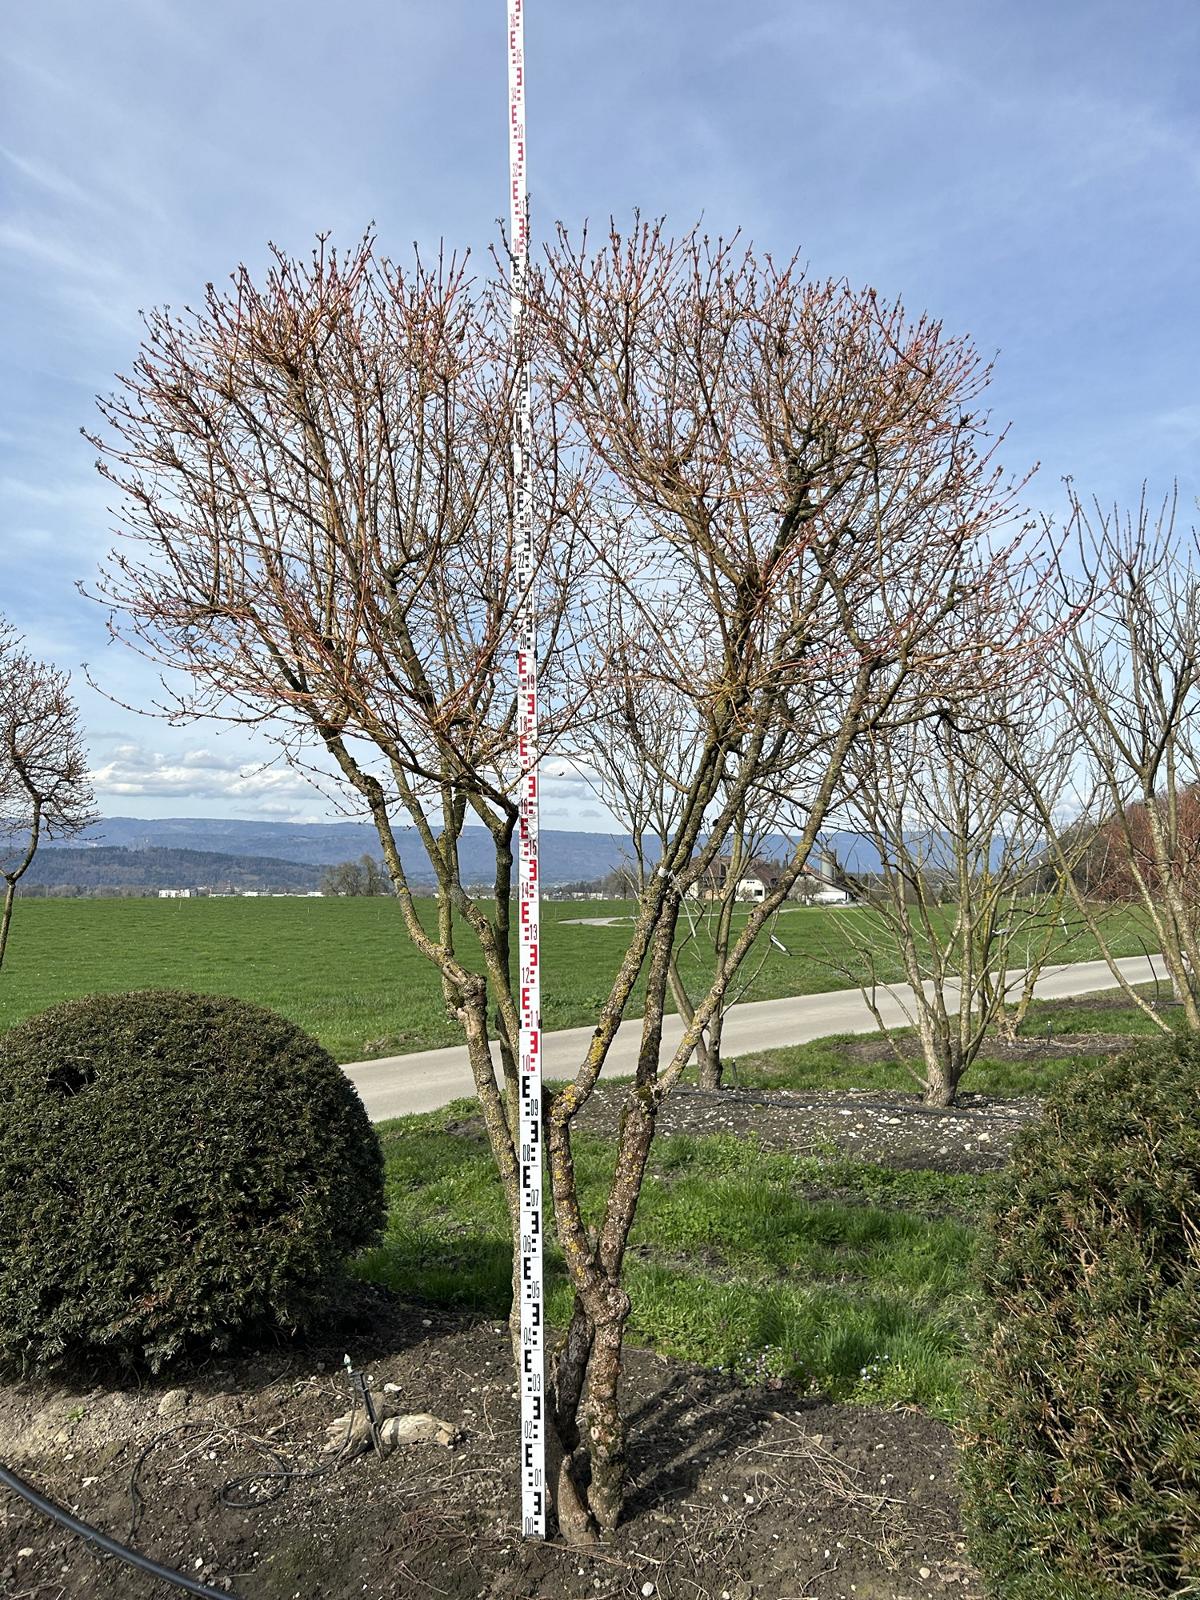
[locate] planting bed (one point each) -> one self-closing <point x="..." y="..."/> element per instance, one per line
<point x="892" y="1129"/>
<point x="739" y="1490"/>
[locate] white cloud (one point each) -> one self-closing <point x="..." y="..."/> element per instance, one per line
<point x="200" y="775"/>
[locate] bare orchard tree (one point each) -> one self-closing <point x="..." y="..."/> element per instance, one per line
<point x="707" y="932"/>
<point x="44" y="788"/>
<point x="1127" y="679"/>
<point x="761" y="496"/>
<point x="960" y="896"/>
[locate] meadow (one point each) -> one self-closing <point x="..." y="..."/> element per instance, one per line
<point x="345" y="970"/>
<point x="844" y="1278"/>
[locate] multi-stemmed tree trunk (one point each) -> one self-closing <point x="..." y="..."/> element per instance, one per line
<point x="44" y="788"/>
<point x="758" y="501"/>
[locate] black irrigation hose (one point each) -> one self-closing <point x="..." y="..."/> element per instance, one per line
<point x="132" y="1558"/>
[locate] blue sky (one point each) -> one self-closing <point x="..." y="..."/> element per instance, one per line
<point x="1028" y="172"/>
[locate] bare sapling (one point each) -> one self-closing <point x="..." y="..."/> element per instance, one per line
<point x="958" y="899"/>
<point x="1126" y="679"/>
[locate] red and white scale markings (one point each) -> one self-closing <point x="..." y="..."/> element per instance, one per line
<point x="533" y="1444"/>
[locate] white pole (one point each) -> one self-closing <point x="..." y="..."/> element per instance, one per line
<point x="533" y="1444"/>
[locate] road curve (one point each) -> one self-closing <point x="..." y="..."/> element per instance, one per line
<point x="395" y="1086"/>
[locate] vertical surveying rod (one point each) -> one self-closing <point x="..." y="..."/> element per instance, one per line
<point x="533" y="1444"/>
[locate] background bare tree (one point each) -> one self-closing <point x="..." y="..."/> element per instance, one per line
<point x="1128" y="681"/>
<point x="44" y="788"/>
<point x="706" y="938"/>
<point x="960" y="897"/>
<point x="366" y="876"/>
<point x="760" y="496"/>
<point x="637" y="775"/>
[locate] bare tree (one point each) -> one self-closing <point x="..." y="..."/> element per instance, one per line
<point x="759" y="501"/>
<point x="1128" y="681"/>
<point x="960" y="897"/>
<point x="44" y="789"/>
<point x="637" y="778"/>
<point x="366" y="876"/>
<point x="707" y="934"/>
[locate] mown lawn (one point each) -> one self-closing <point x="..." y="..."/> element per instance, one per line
<point x="345" y="970"/>
<point x="730" y="1264"/>
<point x="855" y="1061"/>
<point x="847" y="1279"/>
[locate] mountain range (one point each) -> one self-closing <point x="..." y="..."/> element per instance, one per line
<point x="566" y="856"/>
<point x="100" y="868"/>
<point x="131" y="851"/>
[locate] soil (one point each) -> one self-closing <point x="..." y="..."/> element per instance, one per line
<point x="889" y="1129"/>
<point x="738" y="1491"/>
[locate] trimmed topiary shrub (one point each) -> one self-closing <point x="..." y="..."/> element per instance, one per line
<point x="1082" y="1459"/>
<point x="178" y="1172"/>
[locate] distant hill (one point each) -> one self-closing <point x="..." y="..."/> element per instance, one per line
<point x="268" y="848"/>
<point x="566" y="856"/>
<point x="107" y="867"/>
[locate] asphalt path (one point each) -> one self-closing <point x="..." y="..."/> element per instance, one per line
<point x="395" y="1086"/>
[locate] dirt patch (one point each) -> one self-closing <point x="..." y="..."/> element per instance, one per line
<point x="1058" y="1047"/>
<point x="738" y="1491"/>
<point x="888" y="1129"/>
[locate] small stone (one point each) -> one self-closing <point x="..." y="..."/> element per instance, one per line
<point x="25" y="1551"/>
<point x="174" y="1400"/>
<point x="924" y="1572"/>
<point x="647" y="1590"/>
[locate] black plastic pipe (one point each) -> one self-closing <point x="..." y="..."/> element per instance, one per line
<point x="132" y="1558"/>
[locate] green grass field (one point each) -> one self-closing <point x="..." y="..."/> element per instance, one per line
<point x="344" y="968"/>
<point x="836" y="1062"/>
<point x="847" y="1279"/>
<point x="730" y="1264"/>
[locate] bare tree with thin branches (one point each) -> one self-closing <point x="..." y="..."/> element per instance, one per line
<point x="637" y="775"/>
<point x="1127" y="679"/>
<point x="759" y="501"/>
<point x="44" y="787"/>
<point x="960" y="897"/>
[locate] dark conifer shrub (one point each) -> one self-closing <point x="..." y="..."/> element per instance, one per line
<point x="178" y="1173"/>
<point x="1082" y="1461"/>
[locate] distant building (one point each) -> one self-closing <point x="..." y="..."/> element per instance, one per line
<point x="827" y="895"/>
<point x="755" y="881"/>
<point x="758" y="878"/>
<point x="174" y="894"/>
<point x="822" y="885"/>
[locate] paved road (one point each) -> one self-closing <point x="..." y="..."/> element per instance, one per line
<point x="394" y="1086"/>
